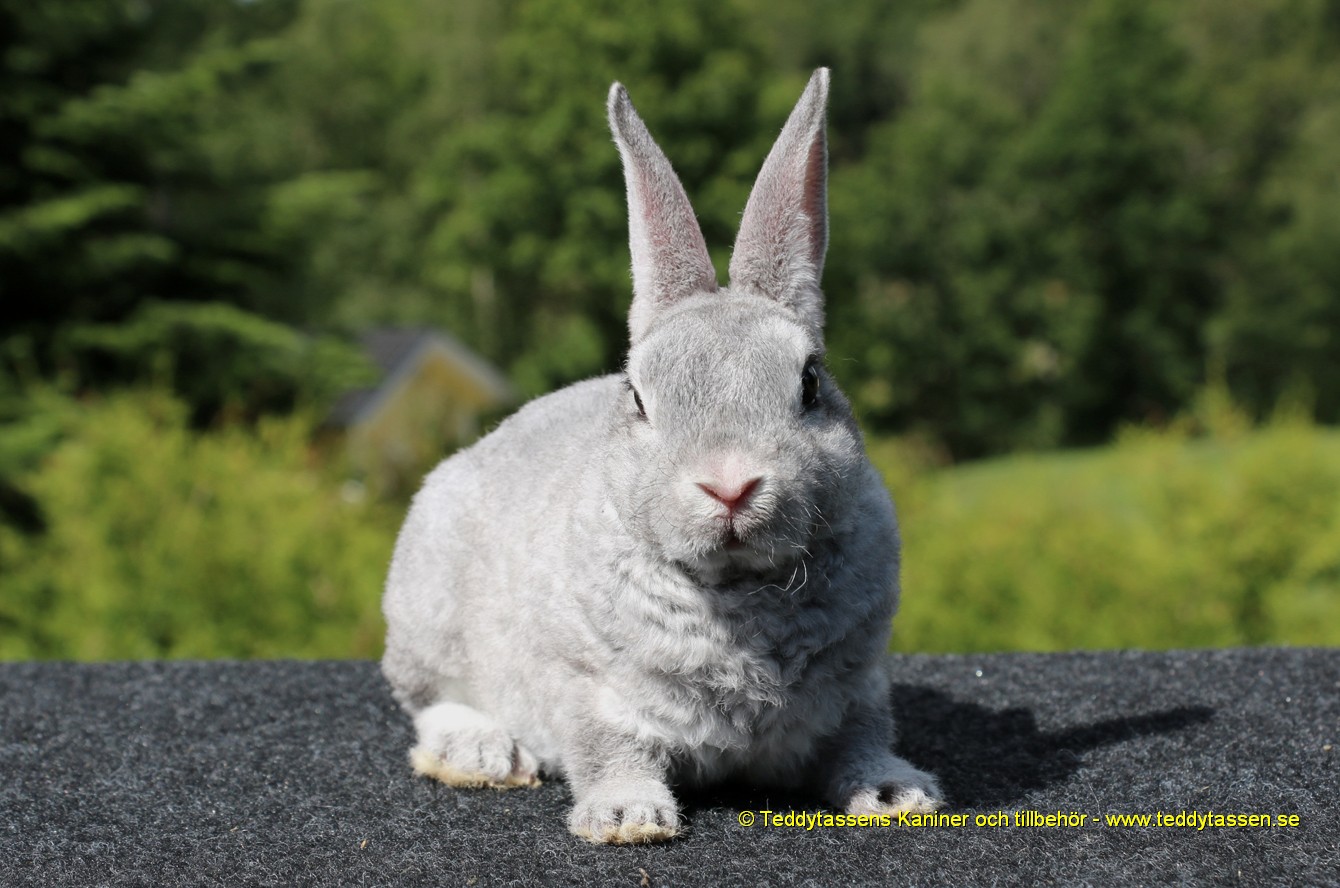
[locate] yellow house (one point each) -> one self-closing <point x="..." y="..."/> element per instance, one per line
<point x="432" y="398"/>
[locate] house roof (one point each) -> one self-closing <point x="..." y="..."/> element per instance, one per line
<point x="396" y="352"/>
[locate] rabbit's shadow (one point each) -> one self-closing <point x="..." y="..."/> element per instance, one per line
<point x="984" y="758"/>
<point x="989" y="758"/>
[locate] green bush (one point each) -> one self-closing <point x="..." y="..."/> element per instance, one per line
<point x="162" y="542"/>
<point x="1166" y="539"/>
<point x="159" y="541"/>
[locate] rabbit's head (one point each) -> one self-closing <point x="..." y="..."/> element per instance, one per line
<point x="733" y="452"/>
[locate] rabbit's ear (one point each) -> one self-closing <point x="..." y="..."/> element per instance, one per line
<point x="670" y="259"/>
<point x="779" y="252"/>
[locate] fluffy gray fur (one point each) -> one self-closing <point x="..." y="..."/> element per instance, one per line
<point x="677" y="575"/>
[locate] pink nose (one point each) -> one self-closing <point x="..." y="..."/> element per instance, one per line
<point x="732" y="496"/>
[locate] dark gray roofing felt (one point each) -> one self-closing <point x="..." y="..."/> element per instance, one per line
<point x="286" y="773"/>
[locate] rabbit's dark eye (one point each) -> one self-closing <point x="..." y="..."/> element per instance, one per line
<point x="809" y="384"/>
<point x="637" y="399"/>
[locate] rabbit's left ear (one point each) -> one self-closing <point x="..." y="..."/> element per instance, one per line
<point x="670" y="259"/>
<point x="779" y="252"/>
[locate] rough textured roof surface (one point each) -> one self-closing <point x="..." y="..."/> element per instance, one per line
<point x="289" y="773"/>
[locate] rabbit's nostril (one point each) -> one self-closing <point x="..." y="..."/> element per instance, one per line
<point x="733" y="496"/>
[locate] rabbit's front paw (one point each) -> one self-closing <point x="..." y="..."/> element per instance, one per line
<point x="898" y="789"/>
<point x="625" y="812"/>
<point x="464" y="747"/>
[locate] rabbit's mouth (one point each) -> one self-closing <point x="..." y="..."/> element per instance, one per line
<point x="737" y="535"/>
<point x="743" y="545"/>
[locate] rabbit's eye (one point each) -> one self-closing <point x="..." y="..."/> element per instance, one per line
<point x="809" y="384"/>
<point x="637" y="400"/>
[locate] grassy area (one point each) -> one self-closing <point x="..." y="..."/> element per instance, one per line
<point x="1161" y="540"/>
<point x="162" y="542"/>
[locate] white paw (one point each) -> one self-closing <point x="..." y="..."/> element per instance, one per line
<point x="625" y="813"/>
<point x="900" y="789"/>
<point x="464" y="747"/>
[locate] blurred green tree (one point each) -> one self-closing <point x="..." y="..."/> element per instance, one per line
<point x="1270" y="75"/>
<point x="532" y="232"/>
<point x="105" y="197"/>
<point x="1126" y="214"/>
<point x="948" y="314"/>
<point x="1049" y="217"/>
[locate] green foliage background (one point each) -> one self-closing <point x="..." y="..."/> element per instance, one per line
<point x="161" y="541"/>
<point x="1209" y="533"/>
<point x="1052" y="220"/>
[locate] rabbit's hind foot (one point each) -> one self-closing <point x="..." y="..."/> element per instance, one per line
<point x="463" y="747"/>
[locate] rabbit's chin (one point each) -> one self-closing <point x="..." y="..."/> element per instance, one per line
<point x="738" y="561"/>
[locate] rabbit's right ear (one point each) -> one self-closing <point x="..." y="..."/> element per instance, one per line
<point x="779" y="252"/>
<point x="670" y="259"/>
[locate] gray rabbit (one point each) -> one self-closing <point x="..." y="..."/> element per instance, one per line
<point x="678" y="574"/>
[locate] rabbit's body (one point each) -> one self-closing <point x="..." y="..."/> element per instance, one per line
<point x="675" y="575"/>
<point x="740" y="678"/>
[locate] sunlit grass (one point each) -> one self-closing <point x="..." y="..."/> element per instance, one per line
<point x="1161" y="540"/>
<point x="239" y="542"/>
